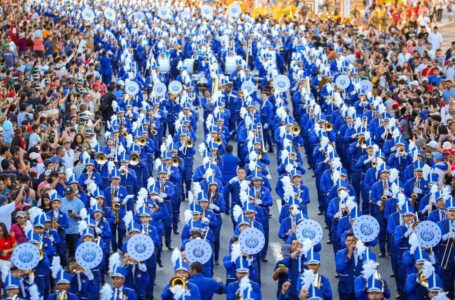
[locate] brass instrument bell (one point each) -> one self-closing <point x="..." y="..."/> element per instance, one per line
<point x="218" y="140"/>
<point x="175" y="161"/>
<point x="423" y="280"/>
<point x="134" y="159"/>
<point x="142" y="141"/>
<point x="296" y="129"/>
<point x="189" y="144"/>
<point x="123" y="171"/>
<point x="101" y="158"/>
<point x="177" y="281"/>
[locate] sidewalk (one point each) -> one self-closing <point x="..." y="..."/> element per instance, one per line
<point x="448" y="32"/>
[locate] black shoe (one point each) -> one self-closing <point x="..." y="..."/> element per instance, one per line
<point x="169" y="247"/>
<point x="320" y="213"/>
<point x="176" y="231"/>
<point x="392" y="275"/>
<point x="329" y="242"/>
<point x="326" y="227"/>
<point x="160" y="264"/>
<point x="227" y="213"/>
<point x="270" y="150"/>
<point x="217" y="263"/>
<point x="264" y="259"/>
<point x="337" y="276"/>
<point x="382" y="254"/>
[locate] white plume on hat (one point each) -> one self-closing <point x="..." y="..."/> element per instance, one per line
<point x="370" y="268"/>
<point x="128" y="218"/>
<point x="6" y="269"/>
<point x="176" y="254"/>
<point x="237" y="211"/>
<point x="106" y="292"/>
<point x="83" y="214"/>
<point x="235" y="252"/>
<point x="55" y="267"/>
<point x="114" y="260"/>
<point x="307" y="278"/>
<point x="413" y="243"/>
<point x="34" y="212"/>
<point x="82" y="226"/>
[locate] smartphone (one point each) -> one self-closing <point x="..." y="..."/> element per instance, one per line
<point x="69" y="211"/>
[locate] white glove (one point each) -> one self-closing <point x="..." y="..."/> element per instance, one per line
<point x="388" y="193"/>
<point x="31" y="278"/>
<point x="51" y="238"/>
<point x="87" y="181"/>
<point x="408" y="233"/>
<point x="98" y="230"/>
<point x="181" y="148"/>
<point x="205" y="220"/>
<point x="427" y="208"/>
<point x="235" y="179"/>
<point x="393" y="148"/>
<point x="367" y="161"/>
<point x="116" y="199"/>
<point x="163" y="195"/>
<point x="142" y="267"/>
<point x="258" y="201"/>
<point x="266" y="126"/>
<point x="213" y="207"/>
<point x="89" y="274"/>
<point x="337" y="215"/>
<point x="379" y="203"/>
<point x="353" y="136"/>
<point x="447" y="236"/>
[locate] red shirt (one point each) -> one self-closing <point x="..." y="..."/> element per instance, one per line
<point x="7" y="244"/>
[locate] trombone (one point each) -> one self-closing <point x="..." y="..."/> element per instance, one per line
<point x="448" y="249"/>
<point x="218" y="140"/>
<point x="327" y="126"/>
<point x="262" y="138"/>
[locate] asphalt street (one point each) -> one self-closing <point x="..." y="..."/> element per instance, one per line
<point x="269" y="286"/>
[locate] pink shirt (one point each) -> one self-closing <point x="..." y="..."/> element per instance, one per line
<point x="18" y="233"/>
<point x="38" y="44"/>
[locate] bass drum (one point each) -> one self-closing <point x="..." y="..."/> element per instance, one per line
<point x="191" y="65"/>
<point x="165" y="64"/>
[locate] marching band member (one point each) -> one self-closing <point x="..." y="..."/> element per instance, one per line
<point x="446" y="256"/>
<point x="179" y="287"/>
<point x="243" y="287"/>
<point x="59" y="222"/>
<point x="62" y="281"/>
<point x="167" y="193"/>
<point x="207" y="285"/>
<point x="128" y="177"/>
<point x="83" y="283"/>
<point x="401" y="242"/>
<point x="118" y="290"/>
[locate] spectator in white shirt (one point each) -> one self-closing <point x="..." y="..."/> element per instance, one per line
<point x="403" y="57"/>
<point x="68" y="157"/>
<point x="449" y="70"/>
<point x="435" y="38"/>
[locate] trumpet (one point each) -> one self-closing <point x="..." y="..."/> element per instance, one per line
<point x="175" y="161"/>
<point x="189" y="144"/>
<point x="423" y="280"/>
<point x="142" y="141"/>
<point x="134" y="159"/>
<point x="101" y="158"/>
<point x="374" y="163"/>
<point x="362" y="142"/>
<point x="131" y="261"/>
<point x="123" y="171"/>
<point x="295" y="129"/>
<point x="153" y="131"/>
<point x="63" y="295"/>
<point x="116" y="208"/>
<point x="177" y="281"/>
<point x="78" y="269"/>
<point x="218" y="140"/>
